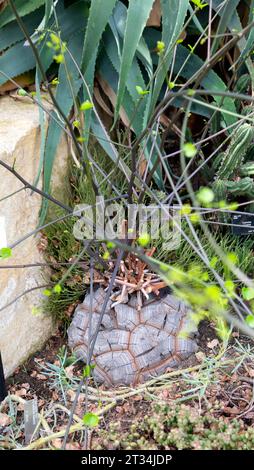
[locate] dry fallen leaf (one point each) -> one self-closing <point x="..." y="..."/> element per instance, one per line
<point x="155" y="15"/>
<point x="231" y="411"/>
<point x="5" y="420"/>
<point x="21" y="407"/>
<point x="109" y="92"/>
<point x="250" y="372"/>
<point x="69" y="371"/>
<point x="164" y="394"/>
<point x="73" y="446"/>
<point x="57" y="443"/>
<point x="21" y="393"/>
<point x="55" y="396"/>
<point x="82" y="397"/>
<point x="249" y="415"/>
<point x="200" y="356"/>
<point x="119" y="410"/>
<point x="42" y="402"/>
<point x="137" y="398"/>
<point x="71" y="395"/>
<point x="41" y="377"/>
<point x="26" y="386"/>
<point x="212" y="344"/>
<point x="22" y="81"/>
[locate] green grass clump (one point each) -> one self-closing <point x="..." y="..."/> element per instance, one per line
<point x="62" y="247"/>
<point x="181" y="427"/>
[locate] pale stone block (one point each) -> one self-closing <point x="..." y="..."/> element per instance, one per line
<point x="22" y="332"/>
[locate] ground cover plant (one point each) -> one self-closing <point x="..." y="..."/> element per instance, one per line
<point x="156" y="99"/>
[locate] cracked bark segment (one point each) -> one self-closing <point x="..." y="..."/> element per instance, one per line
<point x="158" y="369"/>
<point x="143" y="343"/>
<point x="174" y="304"/>
<point x="127" y="317"/>
<point x="118" y="365"/>
<point x="98" y="299"/>
<point x="80" y="351"/>
<point x="148" y="314"/>
<point x="133" y="346"/>
<point x="111" y="340"/>
<point x="184" y="347"/>
<point x="78" y="327"/>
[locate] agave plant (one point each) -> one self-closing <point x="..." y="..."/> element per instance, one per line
<point x="113" y="41"/>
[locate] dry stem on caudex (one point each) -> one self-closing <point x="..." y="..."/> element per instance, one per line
<point x="133" y="276"/>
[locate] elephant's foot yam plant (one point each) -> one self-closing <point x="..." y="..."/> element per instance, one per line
<point x="132" y="345"/>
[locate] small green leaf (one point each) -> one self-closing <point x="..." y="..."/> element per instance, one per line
<point x="22" y="92"/>
<point x="76" y="124"/>
<point x="5" y="253"/>
<point x="160" y="47"/>
<point x="86" y="105"/>
<point x="171" y="85"/>
<point x="233" y="206"/>
<point x="199" y="4"/>
<point x="47" y="292"/>
<point x="232" y="257"/>
<point x="186" y="209"/>
<point x="205" y="196"/>
<point x="111" y="245"/>
<point x="213" y="292"/>
<point x="250" y="320"/>
<point x="230" y="286"/>
<point x="192" y="48"/>
<point x="36" y="311"/>
<point x="194" y="218"/>
<point x="248" y="293"/>
<point x="189" y="150"/>
<point x="55" y="81"/>
<point x="91" y="420"/>
<point x="87" y="371"/>
<point x="205" y="276"/>
<point x="141" y="91"/>
<point x="59" y="58"/>
<point x="222" y="329"/>
<point x="213" y="261"/>
<point x="55" y="40"/>
<point x="144" y="239"/>
<point x="57" y="289"/>
<point x="106" y="255"/>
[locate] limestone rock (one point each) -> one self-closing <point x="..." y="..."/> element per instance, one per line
<point x="21" y="331"/>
